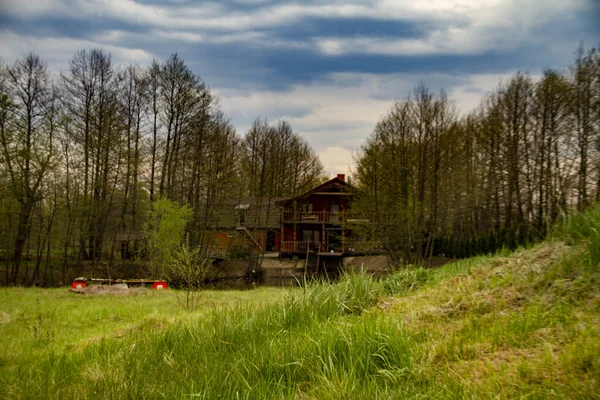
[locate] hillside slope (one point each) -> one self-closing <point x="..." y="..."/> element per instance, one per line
<point x="520" y="324"/>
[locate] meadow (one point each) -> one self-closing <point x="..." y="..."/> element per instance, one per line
<point x="522" y="324"/>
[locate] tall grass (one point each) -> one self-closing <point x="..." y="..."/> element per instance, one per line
<point x="520" y="325"/>
<point x="582" y="227"/>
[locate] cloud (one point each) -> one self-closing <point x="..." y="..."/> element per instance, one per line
<point x="223" y="16"/>
<point x="330" y="68"/>
<point x="339" y="160"/>
<point x="468" y="28"/>
<point x="337" y="112"/>
<point x="58" y="51"/>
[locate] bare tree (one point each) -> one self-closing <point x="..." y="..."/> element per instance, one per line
<point x="27" y="127"/>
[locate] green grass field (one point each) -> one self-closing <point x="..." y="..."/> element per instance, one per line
<point x="514" y="325"/>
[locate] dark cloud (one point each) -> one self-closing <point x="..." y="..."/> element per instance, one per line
<point x="342" y="27"/>
<point x="65" y="26"/>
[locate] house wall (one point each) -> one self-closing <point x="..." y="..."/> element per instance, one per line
<point x="224" y="240"/>
<point x="320" y="203"/>
<point x="323" y="203"/>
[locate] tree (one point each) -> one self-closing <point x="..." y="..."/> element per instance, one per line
<point x="92" y="103"/>
<point x="165" y="229"/>
<point x="28" y="115"/>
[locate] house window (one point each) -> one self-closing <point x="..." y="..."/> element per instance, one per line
<point x="242" y="210"/>
<point x="335" y="209"/>
<point x="314" y="237"/>
<point x="306" y="236"/>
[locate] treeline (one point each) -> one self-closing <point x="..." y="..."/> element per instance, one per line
<point x="84" y="154"/>
<point x="500" y="176"/>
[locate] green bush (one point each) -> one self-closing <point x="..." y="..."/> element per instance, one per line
<point x="238" y="252"/>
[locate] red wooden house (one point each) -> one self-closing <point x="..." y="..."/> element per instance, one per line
<point x="321" y="221"/>
<point x="318" y="222"/>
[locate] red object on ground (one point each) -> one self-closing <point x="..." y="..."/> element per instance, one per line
<point x="160" y="285"/>
<point x="78" y="284"/>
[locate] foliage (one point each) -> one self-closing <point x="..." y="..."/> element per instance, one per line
<point x="165" y="230"/>
<point x="278" y="162"/>
<point x="499" y="326"/>
<point x="187" y="270"/>
<point x="437" y="184"/>
<point x="239" y="252"/>
<point x="81" y="153"/>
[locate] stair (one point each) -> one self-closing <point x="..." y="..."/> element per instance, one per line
<point x="244" y="229"/>
<point x="312" y="263"/>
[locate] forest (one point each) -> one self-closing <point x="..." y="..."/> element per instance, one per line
<point x="99" y="149"/>
<point x="500" y="176"/>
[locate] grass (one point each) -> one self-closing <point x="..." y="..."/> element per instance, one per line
<point x="513" y="325"/>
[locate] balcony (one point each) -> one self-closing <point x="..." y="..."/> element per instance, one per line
<point x="346" y="248"/>
<point x="298" y="246"/>
<point x="324" y="217"/>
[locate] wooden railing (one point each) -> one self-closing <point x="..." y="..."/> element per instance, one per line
<point x="325" y="217"/>
<point x="347" y="247"/>
<point x="298" y="246"/>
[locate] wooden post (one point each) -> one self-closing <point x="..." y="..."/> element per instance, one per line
<point x="295" y="210"/>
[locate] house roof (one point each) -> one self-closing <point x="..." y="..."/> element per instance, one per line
<point x="334" y="186"/>
<point x="260" y="213"/>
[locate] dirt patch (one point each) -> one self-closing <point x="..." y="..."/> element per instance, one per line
<point x="116" y="290"/>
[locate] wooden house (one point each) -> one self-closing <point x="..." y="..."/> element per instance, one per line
<point x="321" y="221"/>
<point x="318" y="222"/>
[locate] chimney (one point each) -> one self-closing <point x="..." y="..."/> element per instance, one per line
<point x="341" y="177"/>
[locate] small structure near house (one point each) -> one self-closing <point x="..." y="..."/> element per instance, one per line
<point x="247" y="223"/>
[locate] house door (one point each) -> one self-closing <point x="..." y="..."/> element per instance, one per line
<point x="334" y="240"/>
<point x="313" y="237"/>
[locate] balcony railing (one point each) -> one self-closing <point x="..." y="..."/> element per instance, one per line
<point x="346" y="247"/>
<point x="326" y="217"/>
<point x="298" y="246"/>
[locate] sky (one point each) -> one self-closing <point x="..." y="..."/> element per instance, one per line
<point x="331" y="68"/>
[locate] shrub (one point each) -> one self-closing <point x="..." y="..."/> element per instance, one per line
<point x="188" y="270"/>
